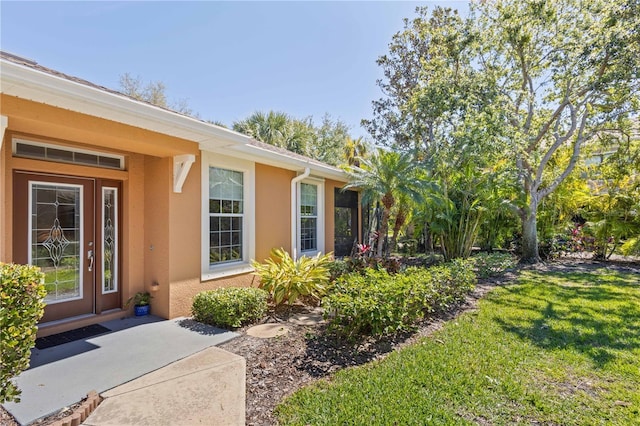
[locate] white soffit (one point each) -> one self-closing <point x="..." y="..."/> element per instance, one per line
<point x="27" y="83"/>
<point x="275" y="159"/>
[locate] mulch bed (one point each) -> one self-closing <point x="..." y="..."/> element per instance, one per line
<point x="279" y="366"/>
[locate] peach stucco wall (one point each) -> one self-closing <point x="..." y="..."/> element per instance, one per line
<point x="273" y="209"/>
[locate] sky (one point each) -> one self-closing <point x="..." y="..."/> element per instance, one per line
<point x="226" y="60"/>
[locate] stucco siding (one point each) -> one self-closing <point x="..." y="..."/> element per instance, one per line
<point x="273" y="209"/>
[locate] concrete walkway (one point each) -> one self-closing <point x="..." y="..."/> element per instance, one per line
<point x="62" y="375"/>
<point x="207" y="388"/>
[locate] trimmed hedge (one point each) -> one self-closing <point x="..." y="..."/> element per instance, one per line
<point x="21" y="307"/>
<point x="378" y="303"/>
<point x="230" y="307"/>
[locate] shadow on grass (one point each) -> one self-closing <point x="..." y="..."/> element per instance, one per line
<point x="587" y="313"/>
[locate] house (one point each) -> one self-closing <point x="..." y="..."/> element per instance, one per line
<point x="111" y="196"/>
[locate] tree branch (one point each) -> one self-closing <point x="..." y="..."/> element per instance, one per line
<point x="558" y="142"/>
<point x="580" y="138"/>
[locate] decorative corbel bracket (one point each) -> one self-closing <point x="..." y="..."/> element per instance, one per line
<point x="181" y="166"/>
<point x="4" y="123"/>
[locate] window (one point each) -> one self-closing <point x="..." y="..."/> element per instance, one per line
<point x="308" y="217"/>
<point x="311" y="224"/>
<point x="228" y="216"/>
<point x="63" y="154"/>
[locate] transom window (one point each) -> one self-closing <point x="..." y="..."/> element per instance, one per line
<point x="65" y="154"/>
<point x="226" y="215"/>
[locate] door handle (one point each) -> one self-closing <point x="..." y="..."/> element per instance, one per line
<point x="90" y="256"/>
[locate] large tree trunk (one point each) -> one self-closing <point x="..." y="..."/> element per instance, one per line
<point x="530" y="252"/>
<point x="384" y="229"/>
<point x="401" y="217"/>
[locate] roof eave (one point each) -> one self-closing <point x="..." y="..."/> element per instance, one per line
<point x="27" y="83"/>
<point x="275" y="159"/>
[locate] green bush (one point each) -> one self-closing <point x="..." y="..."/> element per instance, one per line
<point x="286" y="279"/>
<point x="230" y="307"/>
<point x="21" y="307"/>
<point x="338" y="268"/>
<point x="493" y="264"/>
<point x="360" y="264"/>
<point x="378" y="303"/>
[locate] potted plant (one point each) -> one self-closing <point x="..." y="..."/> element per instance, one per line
<point x="141" y="301"/>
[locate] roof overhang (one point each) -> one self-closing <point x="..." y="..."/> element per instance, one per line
<point x="38" y="86"/>
<point x="275" y="159"/>
<point x="24" y="82"/>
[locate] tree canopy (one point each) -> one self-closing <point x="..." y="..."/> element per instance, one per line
<point x="518" y="82"/>
<point x="325" y="142"/>
<point x="153" y="92"/>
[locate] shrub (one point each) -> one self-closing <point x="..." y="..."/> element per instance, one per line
<point x="360" y="264"/>
<point x="378" y="303"/>
<point x="452" y="281"/>
<point x="230" y="307"/>
<point x="21" y="307"/>
<point x="493" y="264"/>
<point x="338" y="268"/>
<point x="286" y="279"/>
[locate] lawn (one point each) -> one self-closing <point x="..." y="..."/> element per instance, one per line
<point x="552" y="348"/>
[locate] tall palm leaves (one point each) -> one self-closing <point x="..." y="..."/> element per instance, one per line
<point x="278" y="129"/>
<point x="354" y="150"/>
<point x="384" y="177"/>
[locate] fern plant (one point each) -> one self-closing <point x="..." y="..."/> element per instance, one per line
<point x="286" y="279"/>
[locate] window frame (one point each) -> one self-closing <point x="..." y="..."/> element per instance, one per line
<point x="243" y="265"/>
<point x="320" y="216"/>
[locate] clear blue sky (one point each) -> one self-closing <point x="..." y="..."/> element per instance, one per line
<point x="226" y="59"/>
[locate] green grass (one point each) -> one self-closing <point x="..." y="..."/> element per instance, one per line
<point x="553" y="348"/>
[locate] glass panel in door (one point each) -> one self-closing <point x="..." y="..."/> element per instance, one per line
<point x="109" y="240"/>
<point x="108" y="253"/>
<point x="56" y="238"/>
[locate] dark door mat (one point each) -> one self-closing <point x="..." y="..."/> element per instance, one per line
<point x="70" y="336"/>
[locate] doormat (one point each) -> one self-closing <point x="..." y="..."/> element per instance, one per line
<point x="70" y="336"/>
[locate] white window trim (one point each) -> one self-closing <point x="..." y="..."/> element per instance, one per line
<point x="319" y="183"/>
<point x="210" y="272"/>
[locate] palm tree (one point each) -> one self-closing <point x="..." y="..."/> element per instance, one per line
<point x="402" y="212"/>
<point x="354" y="151"/>
<point x="384" y="177"/>
<point x="269" y="128"/>
<point x="278" y="129"/>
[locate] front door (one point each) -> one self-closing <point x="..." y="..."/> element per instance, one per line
<point x="69" y="227"/>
